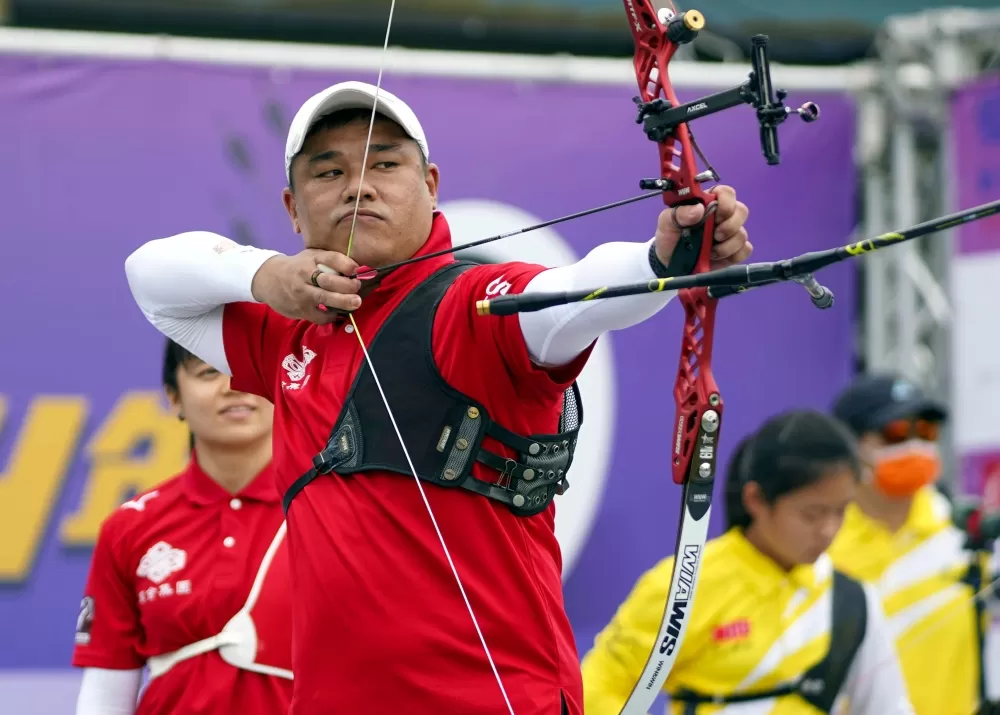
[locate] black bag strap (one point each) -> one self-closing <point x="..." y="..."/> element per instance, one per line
<point x="821" y="684"/>
<point x="973" y="578"/>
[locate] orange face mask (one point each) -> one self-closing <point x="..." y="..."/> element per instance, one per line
<point x="901" y="470"/>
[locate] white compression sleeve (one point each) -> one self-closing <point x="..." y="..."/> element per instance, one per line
<point x="555" y="336"/>
<point x="108" y="692"/>
<point x="183" y="282"/>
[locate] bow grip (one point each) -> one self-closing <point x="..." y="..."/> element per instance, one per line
<point x="693" y="252"/>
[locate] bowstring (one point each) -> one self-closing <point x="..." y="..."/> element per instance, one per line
<point x="385" y="401"/>
<point x="371" y="128"/>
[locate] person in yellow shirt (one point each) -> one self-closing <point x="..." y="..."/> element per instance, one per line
<point x="899" y="536"/>
<point x="774" y="629"/>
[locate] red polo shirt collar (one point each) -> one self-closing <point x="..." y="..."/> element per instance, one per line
<point x="202" y="490"/>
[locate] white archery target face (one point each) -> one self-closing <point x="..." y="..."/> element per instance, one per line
<point x="472" y="219"/>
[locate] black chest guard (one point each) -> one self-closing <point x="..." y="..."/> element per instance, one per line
<point x="443" y="429"/>
<point x="821" y="684"/>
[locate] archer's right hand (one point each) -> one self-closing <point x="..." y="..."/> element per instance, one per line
<point x="295" y="287"/>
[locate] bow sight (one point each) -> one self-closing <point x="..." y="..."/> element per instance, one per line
<point x="660" y="119"/>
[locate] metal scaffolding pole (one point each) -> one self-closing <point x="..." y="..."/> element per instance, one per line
<point x="906" y="314"/>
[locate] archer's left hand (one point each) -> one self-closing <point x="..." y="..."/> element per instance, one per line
<point x="731" y="243"/>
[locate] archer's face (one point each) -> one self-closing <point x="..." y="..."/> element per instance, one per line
<point x="799" y="526"/>
<point x="397" y="196"/>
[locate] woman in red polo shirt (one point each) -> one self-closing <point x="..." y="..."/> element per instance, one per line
<point x="189" y="579"/>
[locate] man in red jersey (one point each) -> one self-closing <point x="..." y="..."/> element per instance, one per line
<point x="441" y="594"/>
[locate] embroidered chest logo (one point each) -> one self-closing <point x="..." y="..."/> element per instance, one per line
<point x="160" y="561"/>
<point x="732" y="632"/>
<point x="498" y="286"/>
<point x="296" y="369"/>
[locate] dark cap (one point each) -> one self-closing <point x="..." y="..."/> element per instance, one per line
<point x="873" y="401"/>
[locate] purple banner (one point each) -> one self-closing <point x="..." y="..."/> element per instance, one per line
<point x="101" y="156"/>
<point x="975" y="112"/>
<point x="975" y="117"/>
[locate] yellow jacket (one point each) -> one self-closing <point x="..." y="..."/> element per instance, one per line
<point x="917" y="572"/>
<point x="753" y="627"/>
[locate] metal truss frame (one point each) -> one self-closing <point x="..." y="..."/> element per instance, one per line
<point x="904" y="154"/>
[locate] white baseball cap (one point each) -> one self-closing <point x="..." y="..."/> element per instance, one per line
<point x="350" y="95"/>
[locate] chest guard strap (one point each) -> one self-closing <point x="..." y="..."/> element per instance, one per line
<point x="821" y="684"/>
<point x="442" y="428"/>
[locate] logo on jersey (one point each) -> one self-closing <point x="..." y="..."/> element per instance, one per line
<point x="735" y="631"/>
<point x="498" y="286"/>
<point x="84" y="621"/>
<point x="139" y="504"/>
<point x="225" y="245"/>
<point x="160" y="561"/>
<point x="296" y="369"/>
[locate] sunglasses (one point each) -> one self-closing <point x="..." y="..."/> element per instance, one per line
<point x="899" y="431"/>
